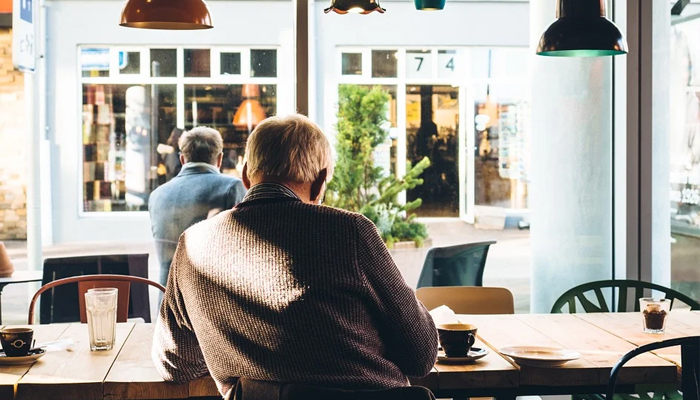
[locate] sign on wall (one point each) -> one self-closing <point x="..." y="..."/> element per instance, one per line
<point x="23" y="43"/>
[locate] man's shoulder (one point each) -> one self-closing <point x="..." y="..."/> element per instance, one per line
<point x="337" y="214"/>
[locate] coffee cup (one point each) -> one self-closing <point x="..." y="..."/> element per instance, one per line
<point x="16" y="342"/>
<point x="456" y="339"/>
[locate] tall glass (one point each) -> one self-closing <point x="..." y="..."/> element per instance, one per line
<point x="101" y="308"/>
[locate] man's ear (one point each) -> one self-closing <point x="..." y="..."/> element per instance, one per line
<point x="244" y="176"/>
<point x="317" y="185"/>
<point x="219" y="160"/>
<point x="182" y="159"/>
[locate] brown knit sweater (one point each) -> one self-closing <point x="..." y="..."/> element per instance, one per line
<point x="284" y="291"/>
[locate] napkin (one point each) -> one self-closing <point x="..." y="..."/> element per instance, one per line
<point x="443" y="315"/>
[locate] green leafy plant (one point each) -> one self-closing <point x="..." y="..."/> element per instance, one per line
<point x="360" y="186"/>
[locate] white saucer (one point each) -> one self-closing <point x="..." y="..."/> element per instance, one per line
<point x="28" y="359"/>
<point x="538" y="356"/>
<point x="474" y="354"/>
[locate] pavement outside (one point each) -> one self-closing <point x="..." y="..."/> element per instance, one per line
<point x="508" y="263"/>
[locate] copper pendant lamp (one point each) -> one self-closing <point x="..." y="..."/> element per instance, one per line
<point x="582" y="30"/>
<point x="166" y="14"/>
<point x="250" y="113"/>
<point x="354" y="6"/>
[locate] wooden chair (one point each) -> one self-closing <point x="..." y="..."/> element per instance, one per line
<point x="468" y="299"/>
<point x="623" y="289"/>
<point x="251" y="389"/>
<point x="690" y="361"/>
<point x="460" y="265"/>
<point x="85" y="282"/>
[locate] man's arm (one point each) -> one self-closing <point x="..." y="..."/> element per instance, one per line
<point x="406" y="327"/>
<point x="175" y="350"/>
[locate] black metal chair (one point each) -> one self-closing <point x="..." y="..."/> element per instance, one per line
<point x="58" y="304"/>
<point x="690" y="363"/>
<point x="251" y="389"/>
<point x="460" y="265"/>
<point x="568" y="301"/>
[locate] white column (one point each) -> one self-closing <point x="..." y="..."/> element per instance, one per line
<point x="571" y="189"/>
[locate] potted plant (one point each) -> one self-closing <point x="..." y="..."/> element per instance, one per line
<point x="359" y="185"/>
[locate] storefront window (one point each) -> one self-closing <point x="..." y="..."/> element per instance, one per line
<point x="685" y="157"/>
<point x="129" y="114"/>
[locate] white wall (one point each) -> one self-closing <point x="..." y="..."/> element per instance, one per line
<point x="461" y="23"/>
<point x="73" y="23"/>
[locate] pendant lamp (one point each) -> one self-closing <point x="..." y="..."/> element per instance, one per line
<point x="166" y="14"/>
<point x="250" y="113"/>
<point x="582" y="30"/>
<point x="429" y="5"/>
<point x="354" y="6"/>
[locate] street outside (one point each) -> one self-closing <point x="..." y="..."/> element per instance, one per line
<point x="508" y="263"/>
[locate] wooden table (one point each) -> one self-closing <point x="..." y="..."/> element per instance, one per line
<point x="128" y="373"/>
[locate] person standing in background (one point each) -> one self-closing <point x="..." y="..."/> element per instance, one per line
<point x="172" y="160"/>
<point x="198" y="192"/>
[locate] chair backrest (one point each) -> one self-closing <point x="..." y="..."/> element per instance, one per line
<point x="468" y="299"/>
<point x="85" y="282"/>
<point x="58" y="304"/>
<point x="690" y="363"/>
<point x="460" y="265"/>
<point x="251" y="389"/>
<point x="592" y="299"/>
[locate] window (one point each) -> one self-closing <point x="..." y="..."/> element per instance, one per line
<point x="130" y="107"/>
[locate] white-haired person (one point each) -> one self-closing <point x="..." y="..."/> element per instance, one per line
<point x="198" y="191"/>
<point x="284" y="289"/>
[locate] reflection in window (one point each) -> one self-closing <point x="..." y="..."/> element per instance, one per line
<point x="263" y="63"/>
<point x="233" y="110"/>
<point x="129" y="62"/>
<point x="163" y="62"/>
<point x="123" y="126"/>
<point x="352" y="64"/>
<point x="230" y="63"/>
<point x="94" y="62"/>
<point x="197" y="62"/>
<point x="384" y="63"/>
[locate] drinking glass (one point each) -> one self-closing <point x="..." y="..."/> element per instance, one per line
<point x="101" y="308"/>
<point x="654" y="313"/>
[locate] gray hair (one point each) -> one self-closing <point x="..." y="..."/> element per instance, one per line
<point x="201" y="144"/>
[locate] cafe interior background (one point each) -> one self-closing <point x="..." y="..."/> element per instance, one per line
<point x="593" y="160"/>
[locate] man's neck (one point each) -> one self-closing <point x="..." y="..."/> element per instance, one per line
<point x="300" y="189"/>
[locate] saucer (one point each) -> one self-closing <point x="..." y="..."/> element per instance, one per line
<point x="536" y="356"/>
<point x="28" y="359"/>
<point x="474" y="354"/>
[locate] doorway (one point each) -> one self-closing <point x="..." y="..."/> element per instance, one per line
<point x="432" y="130"/>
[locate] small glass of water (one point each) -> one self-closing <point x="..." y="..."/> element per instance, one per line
<point x="101" y="308"/>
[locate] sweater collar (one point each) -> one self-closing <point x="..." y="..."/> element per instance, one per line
<point x="270" y="190"/>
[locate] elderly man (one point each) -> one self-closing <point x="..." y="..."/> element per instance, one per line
<point x="284" y="289"/>
<point x="196" y="193"/>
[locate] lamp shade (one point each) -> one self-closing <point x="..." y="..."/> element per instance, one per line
<point x="582" y="30"/>
<point x="429" y="5"/>
<point x="354" y="6"/>
<point x="166" y="14"/>
<point x="249" y="114"/>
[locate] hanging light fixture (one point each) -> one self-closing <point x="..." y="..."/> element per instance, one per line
<point x="582" y="30"/>
<point x="166" y="14"/>
<point x="429" y="5"/>
<point x="250" y="113"/>
<point x="354" y="6"/>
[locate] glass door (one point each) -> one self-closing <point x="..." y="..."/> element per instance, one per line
<point x="432" y="130"/>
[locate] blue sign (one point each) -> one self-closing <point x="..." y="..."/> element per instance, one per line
<point x="25" y="11"/>
<point x="94" y="59"/>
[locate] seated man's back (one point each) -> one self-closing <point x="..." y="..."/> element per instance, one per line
<point x="285" y="290"/>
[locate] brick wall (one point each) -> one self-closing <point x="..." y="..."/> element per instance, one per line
<point x="13" y="189"/>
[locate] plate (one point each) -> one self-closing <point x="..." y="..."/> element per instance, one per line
<point x="537" y="356"/>
<point x="474" y="354"/>
<point x="28" y="359"/>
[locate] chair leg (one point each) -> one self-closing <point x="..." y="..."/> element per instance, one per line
<point x="690" y="359"/>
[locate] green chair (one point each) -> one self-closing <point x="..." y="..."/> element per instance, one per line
<point x="582" y="295"/>
<point x="578" y="295"/>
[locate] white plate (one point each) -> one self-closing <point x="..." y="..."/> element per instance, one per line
<point x="28" y="359"/>
<point x="538" y="356"/>
<point x="474" y="354"/>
